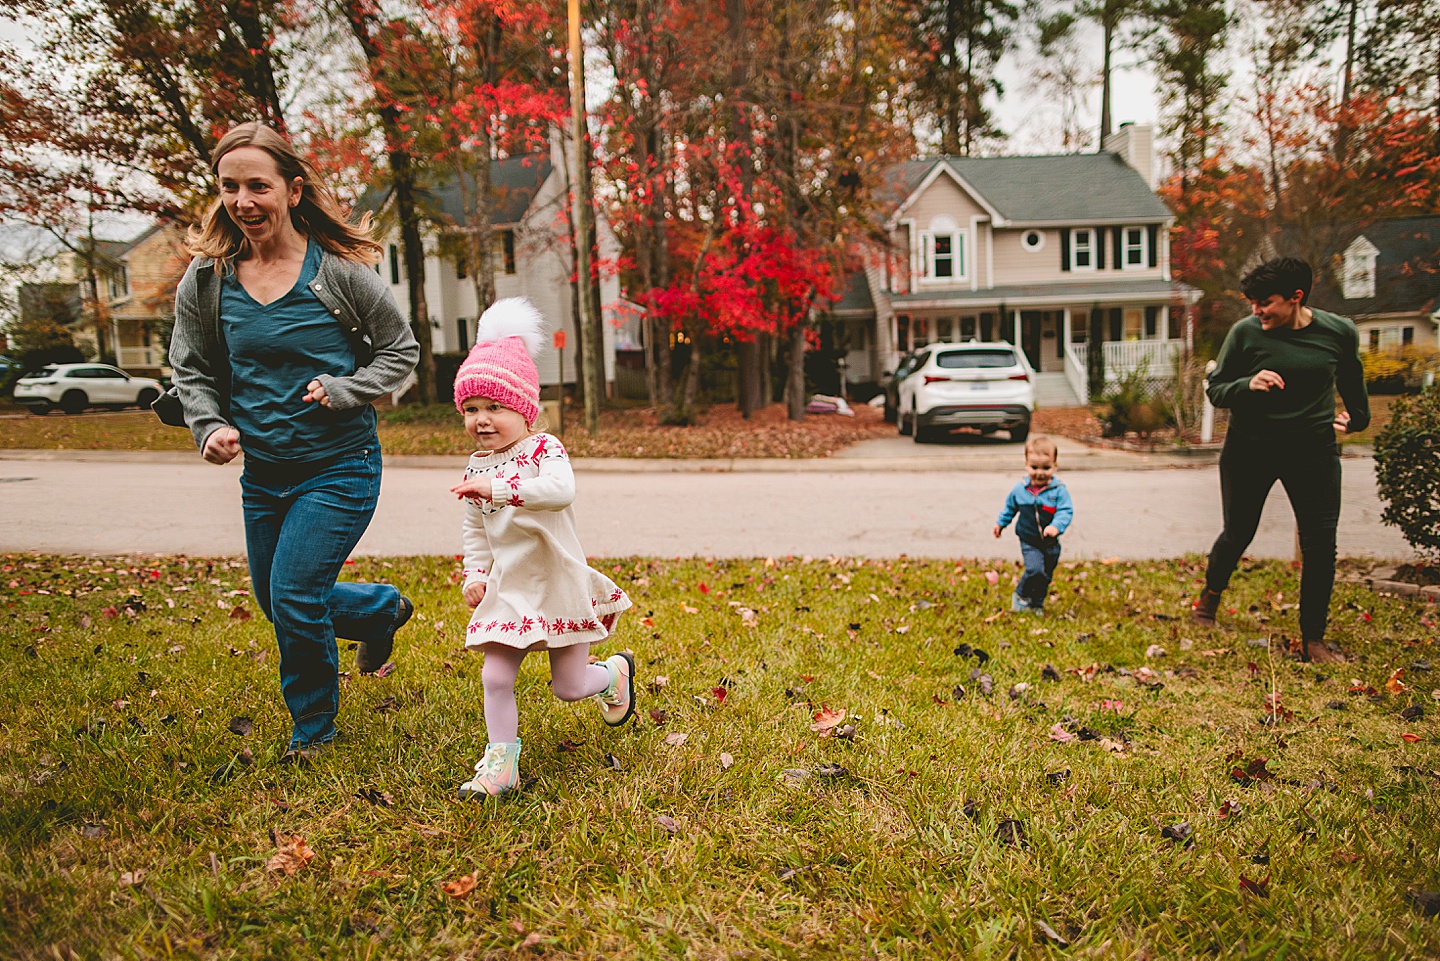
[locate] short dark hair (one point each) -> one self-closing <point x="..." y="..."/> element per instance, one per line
<point x="1283" y="276"/>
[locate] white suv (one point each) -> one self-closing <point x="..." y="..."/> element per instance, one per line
<point x="74" y="387"/>
<point x="988" y="387"/>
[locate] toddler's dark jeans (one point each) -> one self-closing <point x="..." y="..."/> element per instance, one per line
<point x="1040" y="564"/>
<point x="1309" y="470"/>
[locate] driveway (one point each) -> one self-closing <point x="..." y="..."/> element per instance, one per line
<point x="861" y="504"/>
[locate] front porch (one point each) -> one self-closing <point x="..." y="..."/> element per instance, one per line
<point x="1141" y="328"/>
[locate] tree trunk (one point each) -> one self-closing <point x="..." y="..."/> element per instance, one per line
<point x="363" y="23"/>
<point x="795" y="379"/>
<point x="1109" y="27"/>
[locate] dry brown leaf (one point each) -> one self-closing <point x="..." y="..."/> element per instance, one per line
<point x="1058" y="733"/>
<point x="460" y="887"/>
<point x="676" y="738"/>
<point x="292" y="855"/>
<point x="826" y="720"/>
<point x="1394" y="685"/>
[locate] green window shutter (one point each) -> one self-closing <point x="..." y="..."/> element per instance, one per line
<point x="1099" y="244"/>
<point x="1064" y="248"/>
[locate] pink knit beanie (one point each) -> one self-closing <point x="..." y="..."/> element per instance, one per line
<point x="500" y="366"/>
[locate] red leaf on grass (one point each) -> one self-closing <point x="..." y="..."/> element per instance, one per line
<point x="1260" y="888"/>
<point x="460" y="887"/>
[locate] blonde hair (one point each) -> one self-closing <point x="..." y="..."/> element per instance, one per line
<point x="1040" y="444"/>
<point x="317" y="215"/>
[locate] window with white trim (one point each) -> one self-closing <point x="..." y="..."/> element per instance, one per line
<point x="943" y="248"/>
<point x="1136" y="253"/>
<point x="1082" y="249"/>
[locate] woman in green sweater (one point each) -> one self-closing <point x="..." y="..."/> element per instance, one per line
<point x="1278" y="372"/>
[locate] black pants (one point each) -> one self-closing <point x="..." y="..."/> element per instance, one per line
<point x="1310" y="472"/>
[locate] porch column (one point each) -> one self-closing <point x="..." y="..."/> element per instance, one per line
<point x="1065" y="331"/>
<point x="1165" y="322"/>
<point x="1019" y="342"/>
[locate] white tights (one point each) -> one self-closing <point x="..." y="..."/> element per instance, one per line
<point x="572" y="678"/>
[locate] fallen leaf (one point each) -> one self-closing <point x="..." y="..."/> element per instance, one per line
<point x="1058" y="733"/>
<point x="132" y="879"/>
<point x="1047" y="933"/>
<point x="726" y="761"/>
<point x="1426" y="902"/>
<point x="531" y="939"/>
<point x="614" y="762"/>
<point x="1413" y="713"/>
<point x="689" y="610"/>
<point x="992" y="578"/>
<point x="1154" y="650"/>
<point x="566" y="746"/>
<point x="1412" y="738"/>
<point x="831" y="770"/>
<point x="1229" y="809"/>
<point x="240" y="613"/>
<point x="659" y="681"/>
<point x="794" y="776"/>
<point x="676" y="738"/>
<point x="386" y="669"/>
<point x="1011" y="832"/>
<point x="667" y="822"/>
<point x="1393" y="684"/>
<point x="376" y="797"/>
<point x="1181" y="833"/>
<point x="1260" y="888"/>
<point x="826" y="720"/>
<point x="291" y="855"/>
<point x="461" y="886"/>
<point x="659" y="716"/>
<point x="719" y="693"/>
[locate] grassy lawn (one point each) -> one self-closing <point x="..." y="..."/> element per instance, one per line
<point x="1071" y="774"/>
<point x="437" y="430"/>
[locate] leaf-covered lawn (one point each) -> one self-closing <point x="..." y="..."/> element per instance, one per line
<point x="830" y="758"/>
<point x="438" y="430"/>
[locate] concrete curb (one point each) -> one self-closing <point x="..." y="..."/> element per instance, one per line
<point x="1380" y="583"/>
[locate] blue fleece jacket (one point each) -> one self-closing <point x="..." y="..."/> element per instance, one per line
<point x="1037" y="510"/>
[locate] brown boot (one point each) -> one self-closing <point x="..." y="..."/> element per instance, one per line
<point x="1319" y="652"/>
<point x="1203" y="610"/>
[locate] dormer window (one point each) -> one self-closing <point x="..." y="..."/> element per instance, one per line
<point x="943" y="249"/>
<point x="1082" y="249"/>
<point x="1357" y="277"/>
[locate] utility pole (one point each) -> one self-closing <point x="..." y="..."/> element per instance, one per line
<point x="592" y="354"/>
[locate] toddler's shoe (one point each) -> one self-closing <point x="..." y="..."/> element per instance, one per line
<point x="370" y="657"/>
<point x="497" y="772"/>
<point x="1018" y="603"/>
<point x="617" y="702"/>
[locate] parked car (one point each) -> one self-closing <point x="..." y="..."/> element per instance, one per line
<point x="890" y="382"/>
<point x="74" y="387"/>
<point x="10" y="371"/>
<point x="988" y="387"/>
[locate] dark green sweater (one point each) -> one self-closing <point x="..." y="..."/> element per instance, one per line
<point x="1313" y="361"/>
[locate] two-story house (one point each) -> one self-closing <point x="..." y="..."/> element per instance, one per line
<point x="532" y="257"/>
<point x="125" y="296"/>
<point x="1057" y="254"/>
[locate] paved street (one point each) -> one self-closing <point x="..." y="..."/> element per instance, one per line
<point x="941" y="504"/>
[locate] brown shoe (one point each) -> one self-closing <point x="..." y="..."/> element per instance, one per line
<point x="1319" y="652"/>
<point x="1203" y="610"/>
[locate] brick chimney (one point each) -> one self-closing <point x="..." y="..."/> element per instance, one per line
<point x="1135" y="143"/>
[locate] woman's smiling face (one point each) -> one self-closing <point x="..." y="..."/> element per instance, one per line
<point x="255" y="194"/>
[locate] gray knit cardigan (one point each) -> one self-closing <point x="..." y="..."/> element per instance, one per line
<point x="385" y="348"/>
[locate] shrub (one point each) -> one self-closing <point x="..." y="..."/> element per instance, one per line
<point x="1407" y="470"/>
<point x="1400" y="369"/>
<point x="1134" y="404"/>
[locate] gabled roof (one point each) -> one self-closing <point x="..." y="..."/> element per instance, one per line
<point x="855" y="297"/>
<point x="1060" y="189"/>
<point x="1407" y="268"/>
<point x="514" y="182"/>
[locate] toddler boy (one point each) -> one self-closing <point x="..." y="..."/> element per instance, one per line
<point x="1040" y="506"/>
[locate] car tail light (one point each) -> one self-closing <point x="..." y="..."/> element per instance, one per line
<point x="931" y="378"/>
<point x="1024" y="377"/>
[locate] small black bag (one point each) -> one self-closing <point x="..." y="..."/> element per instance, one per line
<point x="168" y="408"/>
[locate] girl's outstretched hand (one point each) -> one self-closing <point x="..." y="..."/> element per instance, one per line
<point x="477" y="488"/>
<point x="474" y="593"/>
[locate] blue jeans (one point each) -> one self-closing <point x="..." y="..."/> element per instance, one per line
<point x="1039" y="568"/>
<point x="301" y="523"/>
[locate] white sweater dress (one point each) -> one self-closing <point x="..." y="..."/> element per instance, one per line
<point x="522" y="545"/>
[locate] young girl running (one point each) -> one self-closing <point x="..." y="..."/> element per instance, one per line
<point x="525" y="572"/>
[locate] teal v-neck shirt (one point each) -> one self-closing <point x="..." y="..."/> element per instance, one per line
<point x="275" y="350"/>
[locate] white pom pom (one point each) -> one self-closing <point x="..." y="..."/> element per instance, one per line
<point x="512" y="317"/>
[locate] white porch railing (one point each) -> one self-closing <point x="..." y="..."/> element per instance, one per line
<point x="1075" y="372"/>
<point x="1122" y="357"/>
<point x="128" y="357"/>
